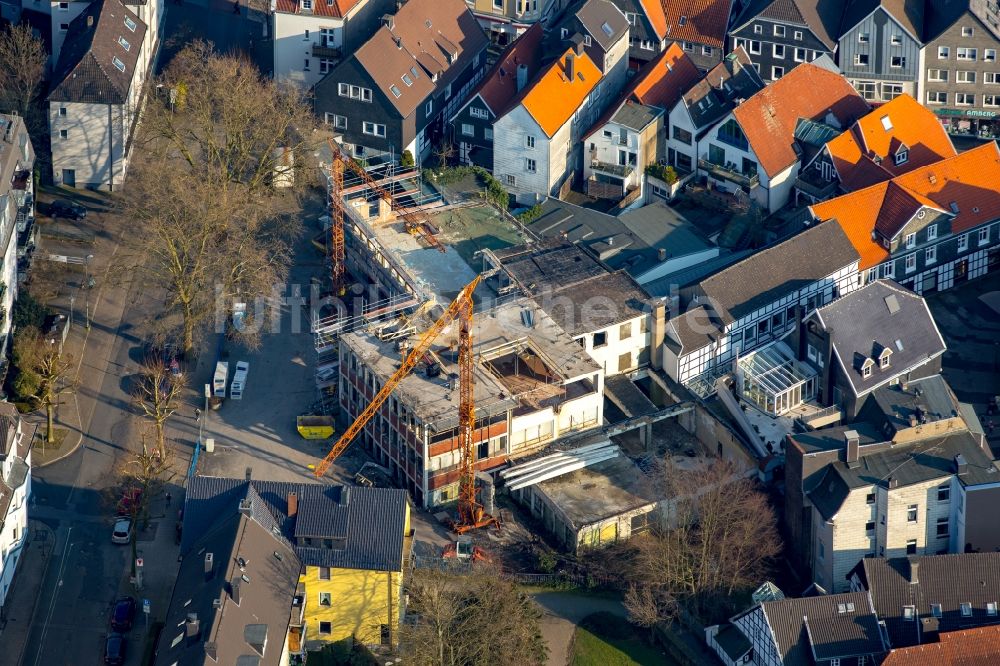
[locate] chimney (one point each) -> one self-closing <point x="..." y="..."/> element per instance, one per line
<point x="522" y="76"/>
<point x="234" y="590"/>
<point x="212" y="651"/>
<point x="192" y="627"/>
<point x="961" y="467"/>
<point x="570" y="68"/>
<point x="853" y="445"/>
<point x="249" y="473"/>
<point x="209" y="565"/>
<point x="246" y="506"/>
<point x="293" y="505"/>
<point x="893" y="483"/>
<point x="90" y="20"/>
<point x="914" y="564"/>
<point x="661" y="254"/>
<point x="658" y="329"/>
<point x="389" y="21"/>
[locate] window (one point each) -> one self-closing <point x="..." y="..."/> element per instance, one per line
<point x="896" y="40"/>
<point x="777" y="72"/>
<point x="529" y="141"/>
<point x="911" y="241"/>
<point x="754" y="47"/>
<point x="991" y="608"/>
<point x="488" y="133"/>
<point x="631" y="18"/>
<point x="989" y="55"/>
<point x="324" y="598"/>
<point x="888" y="270"/>
<point x="937" y="97"/>
<point x="407" y="80"/>
<point x="511" y="180"/>
<point x="870" y="498"/>
<point x="864" y="38"/>
<point x="911" y="262"/>
<point x="778" y="50"/>
<point x="962" y="53"/>
<point x="883" y="361"/>
<point x="63" y="27"/>
<point x="967" y="31"/>
<point x="373" y="129"/>
<point x="586" y="40"/>
<point x="909" y="613"/>
<point x="325" y="627"/>
<point x="354" y="92"/>
<point x="563" y="33"/>
<point x="63" y="6"/>
<point x="931" y="232"/>
<point x="965" y="99"/>
<point x="930" y="256"/>
<point x="936" y="610"/>
<point x="866" y="89"/>
<point x="965" y="77"/>
<point x="911" y="547"/>
<point x="937" y="75"/>
<point x="429" y="107"/>
<point x="943" y="53"/>
<point x="682" y="135"/>
<point x="861" y="59"/>
<point x="984" y="236"/>
<point x="801" y="55"/>
<point x="758" y="29"/>
<point x="897" y="61"/>
<point x="870" y="526"/>
<point x="600" y="339"/>
<point x="306" y="65"/>
<point x="530" y="165"/>
<point x="966" y="609"/>
<point x="63" y="134"/>
<point x="324" y="573"/>
<point x="779" y="31"/>
<point x="991" y="100"/>
<point x="394" y="89"/>
<point x="339" y="122"/>
<point x="866" y="369"/>
<point x="963" y="242"/>
<point x="305" y="35"/>
<point x="688" y="46"/>
<point x="498" y="4"/>
<point x="119" y="65"/>
<point x="479" y="112"/>
<point x="468" y="130"/>
<point x="901" y="156"/>
<point x="797" y="35"/>
<point x="706" y="50"/>
<point x="942" y="528"/>
<point x="911" y="513"/>
<point x="625" y="331"/>
<point x="62" y="111"/>
<point x="124" y="43"/>
<point x="891" y="90"/>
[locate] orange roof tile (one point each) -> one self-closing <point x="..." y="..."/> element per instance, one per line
<point x="499" y="88"/>
<point x="332" y="8"/>
<point x="664" y="79"/>
<point x="967" y="647"/>
<point x="705" y="21"/>
<point x="769" y="117"/>
<point x="968" y="180"/>
<point x="657" y="17"/>
<point x="911" y="125"/>
<point x="552" y="99"/>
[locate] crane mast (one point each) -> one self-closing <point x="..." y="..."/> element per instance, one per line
<point x="337" y="253"/>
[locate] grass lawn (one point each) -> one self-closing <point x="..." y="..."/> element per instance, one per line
<point x="603" y="639"/>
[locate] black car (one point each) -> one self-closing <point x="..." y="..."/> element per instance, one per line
<point x="124" y="612"/>
<point x="114" y="650"/>
<point x="67" y="209"/>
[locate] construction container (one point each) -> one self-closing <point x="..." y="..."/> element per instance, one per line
<point x="314" y="427"/>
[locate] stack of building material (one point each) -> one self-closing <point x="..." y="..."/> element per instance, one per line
<point x="557" y="464"/>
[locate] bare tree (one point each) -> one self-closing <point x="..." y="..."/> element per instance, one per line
<point x="22" y="67"/>
<point x="215" y="229"/>
<point x="718" y="540"/>
<point x="471" y="619"/>
<point x="50" y="370"/>
<point x="156" y="395"/>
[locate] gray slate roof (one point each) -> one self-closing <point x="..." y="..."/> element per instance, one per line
<point x="778" y="270"/>
<point x="894" y="406"/>
<point x="717" y="94"/>
<point x="693" y="274"/>
<point x="909" y="13"/>
<point x="880" y="315"/>
<point x="371" y="519"/>
<point x="692" y="330"/>
<point x="949" y="580"/>
<point x="598" y="302"/>
<point x="635" y="116"/>
<point x="271" y="571"/>
<point x="86" y="72"/>
<point x="595" y="15"/>
<point x="820" y="16"/>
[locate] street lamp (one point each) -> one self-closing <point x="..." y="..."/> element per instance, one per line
<point x="90" y="285"/>
<point x="72" y="299"/>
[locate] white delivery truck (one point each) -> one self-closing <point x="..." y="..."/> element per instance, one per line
<point x="220" y="379"/>
<point x="239" y="380"/>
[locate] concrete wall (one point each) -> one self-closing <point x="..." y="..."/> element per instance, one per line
<point x="609" y="354"/>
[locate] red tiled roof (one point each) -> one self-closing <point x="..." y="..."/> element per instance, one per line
<point x="968" y="180"/>
<point x="769" y="117"/>
<point x="330" y="8"/>
<point x="499" y="88"/>
<point x="705" y="21"/>
<point x="968" y="647"/>
<point x="911" y="125"/>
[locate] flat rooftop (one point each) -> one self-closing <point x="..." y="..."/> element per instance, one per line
<point x="518" y="363"/>
<point x="601" y="491"/>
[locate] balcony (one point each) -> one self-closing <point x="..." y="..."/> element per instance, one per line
<point x="618" y="170"/>
<point x="320" y="50"/>
<point x="811" y="183"/>
<point x="298" y="610"/>
<point x="730" y="174"/>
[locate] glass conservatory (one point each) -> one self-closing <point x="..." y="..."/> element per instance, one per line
<point x="773" y="380"/>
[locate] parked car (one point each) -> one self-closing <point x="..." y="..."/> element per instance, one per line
<point x="67" y="209"/>
<point x="114" y="650"/>
<point x="122" y="532"/>
<point x="123" y="614"/>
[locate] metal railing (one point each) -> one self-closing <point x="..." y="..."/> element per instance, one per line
<point x="729" y="174"/>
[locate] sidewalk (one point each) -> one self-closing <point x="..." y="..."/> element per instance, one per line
<point x="23" y="594"/>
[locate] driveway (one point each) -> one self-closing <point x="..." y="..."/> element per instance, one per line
<point x="562" y="612"/>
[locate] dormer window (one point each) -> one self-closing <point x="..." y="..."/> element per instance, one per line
<point x="902" y="155"/>
<point x="883" y="358"/>
<point x="966" y="609"/>
<point x="909" y="613"/>
<point x="866" y="369"/>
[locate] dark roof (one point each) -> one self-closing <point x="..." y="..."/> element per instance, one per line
<point x="704" y="21"/>
<point x="909" y="14"/>
<point x="666" y="285"/>
<point x="650" y="21"/>
<point x="660" y="226"/>
<point x="544" y="267"/>
<point x="820" y="16"/>
<point x="605" y="22"/>
<point x="881" y="315"/>
<point x="693" y="329"/>
<point x="86" y="71"/>
<point x="942" y="15"/>
<point x="733" y="642"/>
<point x="719" y="92"/>
<point x="371" y="519"/>
<point x="438" y="38"/>
<point x="635" y="116"/>
<point x="499" y="89"/>
<point x="831" y="439"/>
<point x="915" y="462"/>
<point x="598" y="302"/>
<point x="827" y="626"/>
<point x="778" y="270"/>
<point x="981" y="9"/>
<point x="267" y="584"/>
<point x="949" y="580"/>
<point x="930" y="396"/>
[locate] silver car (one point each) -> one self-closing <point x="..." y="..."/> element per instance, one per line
<point x="122" y="532"/>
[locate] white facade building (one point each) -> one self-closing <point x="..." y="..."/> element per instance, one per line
<point x="15" y="491"/>
<point x="17" y="210"/>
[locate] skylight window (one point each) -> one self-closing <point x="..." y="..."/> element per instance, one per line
<point x="606" y="27"/>
<point x="130" y="24"/>
<point x="886" y="123"/>
<point x="119" y="65"/>
<point x="414" y="72"/>
<point x="395" y="91"/>
<point x="683" y="20"/>
<point x="407" y="80"/>
<point x="124" y="43"/>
